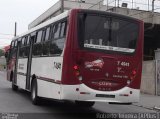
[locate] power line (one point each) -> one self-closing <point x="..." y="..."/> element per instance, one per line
<point x="6" y="34"/>
<point x="5" y="38"/>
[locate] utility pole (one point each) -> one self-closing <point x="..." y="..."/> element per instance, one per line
<point x="15" y="29"/>
<point x="148" y="5"/>
<point x="62" y="6"/>
<point x="153" y="6"/>
<point x="118" y="3"/>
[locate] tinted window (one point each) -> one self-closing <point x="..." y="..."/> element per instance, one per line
<point x="63" y="29"/>
<point x="56" y="46"/>
<point x="23" y="41"/>
<point x="107" y="33"/>
<point x="57" y="30"/>
<point x="39" y="36"/>
<point x="47" y="34"/>
<point x="15" y="43"/>
<point x="46" y="46"/>
<point x="12" y="44"/>
<point x="28" y="40"/>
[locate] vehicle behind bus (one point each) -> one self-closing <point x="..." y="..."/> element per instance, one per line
<point x="98" y="60"/>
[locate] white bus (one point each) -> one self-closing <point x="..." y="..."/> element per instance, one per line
<point x="80" y="55"/>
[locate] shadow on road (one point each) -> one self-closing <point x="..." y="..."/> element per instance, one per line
<point x="60" y="109"/>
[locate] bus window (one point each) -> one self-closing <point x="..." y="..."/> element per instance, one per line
<point x="23" y="40"/>
<point x="47" y="34"/>
<point x="57" y="30"/>
<point x="15" y="45"/>
<point x="46" y="43"/>
<point x="107" y="34"/>
<point x="63" y="29"/>
<point x="12" y="44"/>
<point x="46" y="46"/>
<point x="57" y="45"/>
<point x="28" y="40"/>
<point x="39" y="36"/>
<point x="37" y="47"/>
<point x="14" y="49"/>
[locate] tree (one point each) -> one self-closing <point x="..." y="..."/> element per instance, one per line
<point x="1" y="52"/>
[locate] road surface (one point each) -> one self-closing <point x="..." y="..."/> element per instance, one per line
<point x="17" y="105"/>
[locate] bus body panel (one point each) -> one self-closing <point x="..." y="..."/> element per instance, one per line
<point x="48" y="90"/>
<point x="21" y="73"/>
<point x="111" y="73"/>
<point x="47" y="68"/>
<point x="48" y="72"/>
<point x="87" y="94"/>
<point x="86" y="75"/>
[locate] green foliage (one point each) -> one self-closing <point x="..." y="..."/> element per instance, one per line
<point x="1" y="52"/>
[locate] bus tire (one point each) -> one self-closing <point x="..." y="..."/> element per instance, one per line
<point x="35" y="99"/>
<point x="84" y="103"/>
<point x="14" y="87"/>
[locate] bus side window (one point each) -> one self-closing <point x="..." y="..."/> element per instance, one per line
<point x="37" y="49"/>
<point x="12" y="44"/>
<point x="63" y="29"/>
<point x="12" y="49"/>
<point x="21" y="52"/>
<point x="57" y="44"/>
<point x="26" y="48"/>
<point x="57" y="30"/>
<point x="46" y="43"/>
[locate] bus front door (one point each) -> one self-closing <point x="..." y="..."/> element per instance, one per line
<point x="14" y="80"/>
<point x="29" y="62"/>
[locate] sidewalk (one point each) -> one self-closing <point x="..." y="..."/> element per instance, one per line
<point x="149" y="101"/>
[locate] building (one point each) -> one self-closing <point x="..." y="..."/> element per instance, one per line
<point x="151" y="19"/>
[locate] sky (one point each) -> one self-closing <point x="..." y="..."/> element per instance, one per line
<point x="21" y="11"/>
<point x="25" y="11"/>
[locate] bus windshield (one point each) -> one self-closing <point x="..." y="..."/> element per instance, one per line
<point x="107" y="33"/>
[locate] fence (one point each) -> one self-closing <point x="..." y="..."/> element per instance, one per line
<point x="147" y="5"/>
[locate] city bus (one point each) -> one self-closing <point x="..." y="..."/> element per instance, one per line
<point x="85" y="56"/>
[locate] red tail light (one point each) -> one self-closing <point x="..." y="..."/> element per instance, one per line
<point x="133" y="74"/>
<point x="76" y="69"/>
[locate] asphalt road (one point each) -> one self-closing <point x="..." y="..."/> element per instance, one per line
<point x="17" y="105"/>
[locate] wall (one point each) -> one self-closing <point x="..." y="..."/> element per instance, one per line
<point x="148" y="77"/>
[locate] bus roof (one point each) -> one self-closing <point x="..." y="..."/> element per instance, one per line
<point x="50" y="21"/>
<point x="65" y="14"/>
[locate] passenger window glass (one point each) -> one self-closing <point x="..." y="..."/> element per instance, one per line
<point x="46" y="46"/>
<point x="23" y="39"/>
<point x="63" y="29"/>
<point x="57" y="30"/>
<point x="12" y="44"/>
<point x="47" y="34"/>
<point x="28" y="40"/>
<point x="39" y="36"/>
<point x="15" y="43"/>
<point x="57" y="46"/>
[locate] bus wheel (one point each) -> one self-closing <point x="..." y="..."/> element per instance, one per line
<point x="34" y="97"/>
<point x="14" y="87"/>
<point x="84" y="103"/>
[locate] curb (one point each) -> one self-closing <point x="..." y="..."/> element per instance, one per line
<point x="150" y="108"/>
<point x="156" y="108"/>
